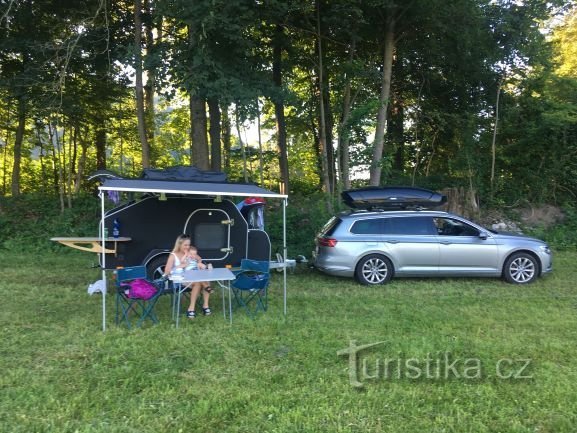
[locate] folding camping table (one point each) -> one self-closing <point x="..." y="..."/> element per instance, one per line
<point x="187" y="278"/>
<point x="92" y="244"/>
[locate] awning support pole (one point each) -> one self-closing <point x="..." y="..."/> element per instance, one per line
<point x="103" y="261"/>
<point x="285" y="204"/>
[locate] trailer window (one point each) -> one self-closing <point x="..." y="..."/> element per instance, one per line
<point x="210" y="236"/>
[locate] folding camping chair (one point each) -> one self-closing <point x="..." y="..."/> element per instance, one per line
<point x="141" y="308"/>
<point x="250" y="288"/>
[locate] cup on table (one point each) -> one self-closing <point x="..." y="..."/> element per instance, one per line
<point x="209" y="266"/>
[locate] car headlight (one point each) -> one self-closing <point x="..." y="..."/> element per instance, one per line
<point x="545" y="249"/>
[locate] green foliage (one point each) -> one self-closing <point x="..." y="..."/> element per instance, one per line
<point x="65" y="64"/>
<point x="29" y="221"/>
<point x="561" y="236"/>
<point x="305" y="215"/>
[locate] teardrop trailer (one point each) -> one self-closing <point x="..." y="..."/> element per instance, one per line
<point x="216" y="226"/>
<point x="159" y="210"/>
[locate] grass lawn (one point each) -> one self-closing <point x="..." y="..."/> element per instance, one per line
<point x="60" y="373"/>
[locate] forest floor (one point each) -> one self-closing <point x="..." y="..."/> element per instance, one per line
<point x="451" y="355"/>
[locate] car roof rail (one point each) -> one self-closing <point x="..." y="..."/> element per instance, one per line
<point x="397" y="208"/>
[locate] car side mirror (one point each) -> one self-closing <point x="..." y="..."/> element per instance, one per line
<point x="483" y="235"/>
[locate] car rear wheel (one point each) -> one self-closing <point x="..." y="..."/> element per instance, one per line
<point x="521" y="268"/>
<point x="374" y="269"/>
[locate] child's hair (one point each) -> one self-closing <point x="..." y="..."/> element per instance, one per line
<point x="179" y="240"/>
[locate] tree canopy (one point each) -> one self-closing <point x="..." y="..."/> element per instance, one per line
<point x="297" y="95"/>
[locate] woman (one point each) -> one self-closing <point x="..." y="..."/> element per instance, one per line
<point x="181" y="258"/>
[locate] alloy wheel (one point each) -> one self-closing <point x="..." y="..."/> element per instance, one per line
<point x="375" y="271"/>
<point x="522" y="270"/>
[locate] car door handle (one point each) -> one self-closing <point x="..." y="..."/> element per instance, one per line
<point x="446" y="242"/>
<point x="392" y="241"/>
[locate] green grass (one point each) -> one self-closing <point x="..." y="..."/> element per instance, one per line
<point x="61" y="373"/>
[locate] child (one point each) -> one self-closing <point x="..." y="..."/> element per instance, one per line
<point x="195" y="262"/>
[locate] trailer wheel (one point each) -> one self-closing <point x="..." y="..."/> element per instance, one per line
<point x="155" y="268"/>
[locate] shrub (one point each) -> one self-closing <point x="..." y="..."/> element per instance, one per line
<point x="30" y="220"/>
<point x="304" y="218"/>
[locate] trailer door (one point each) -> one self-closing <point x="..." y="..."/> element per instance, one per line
<point x="209" y="230"/>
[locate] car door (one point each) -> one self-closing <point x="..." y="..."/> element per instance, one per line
<point x="464" y="249"/>
<point x="412" y="244"/>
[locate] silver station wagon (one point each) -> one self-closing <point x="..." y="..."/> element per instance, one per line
<point x="374" y="246"/>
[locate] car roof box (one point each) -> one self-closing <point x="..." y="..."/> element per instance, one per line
<point x="392" y="197"/>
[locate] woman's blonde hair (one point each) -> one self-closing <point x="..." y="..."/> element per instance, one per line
<point x="179" y="240"/>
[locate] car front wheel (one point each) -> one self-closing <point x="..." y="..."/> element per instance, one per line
<point x="374" y="269"/>
<point x="521" y="268"/>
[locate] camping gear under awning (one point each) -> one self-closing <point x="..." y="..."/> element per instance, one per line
<point x="188" y="188"/>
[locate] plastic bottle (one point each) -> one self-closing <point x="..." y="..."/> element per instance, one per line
<point x="116" y="228"/>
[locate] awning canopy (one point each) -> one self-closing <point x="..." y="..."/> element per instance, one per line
<point x="180" y="187"/>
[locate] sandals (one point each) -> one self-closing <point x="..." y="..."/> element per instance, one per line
<point x="191" y="314"/>
<point x="208" y="290"/>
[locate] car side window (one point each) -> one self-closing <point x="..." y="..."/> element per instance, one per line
<point x="373" y="226"/>
<point x="453" y="227"/>
<point x="419" y="225"/>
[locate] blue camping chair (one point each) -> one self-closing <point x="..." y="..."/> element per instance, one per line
<point x="141" y="309"/>
<point x="250" y="288"/>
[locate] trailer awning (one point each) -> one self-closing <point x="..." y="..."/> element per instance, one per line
<point x="189" y="188"/>
<point x="179" y="187"/>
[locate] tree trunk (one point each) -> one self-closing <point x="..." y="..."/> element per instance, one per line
<point x="58" y="161"/>
<point x="100" y="141"/>
<point x="150" y="71"/>
<point x="139" y="90"/>
<point x="379" y="142"/>
<point x="52" y="148"/>
<point x="18" y="146"/>
<point x="329" y="126"/>
<point x="260" y="157"/>
<point x="344" y="132"/>
<point x="242" y="146"/>
<point x="214" y="132"/>
<point x="494" y="140"/>
<point x="462" y="202"/>
<point x="5" y="162"/>
<point x="312" y="117"/>
<point x="81" y="164"/>
<point x="416" y="125"/>
<point x="41" y="156"/>
<point x="323" y="131"/>
<point x="396" y="130"/>
<point x="199" y="145"/>
<point x="279" y="110"/>
<point x="73" y="152"/>
<point x="226" y="138"/>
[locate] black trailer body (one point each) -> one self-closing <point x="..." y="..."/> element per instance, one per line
<point x="164" y="209"/>
<point x="217" y="229"/>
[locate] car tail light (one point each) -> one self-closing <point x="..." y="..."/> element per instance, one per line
<point x="327" y="242"/>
